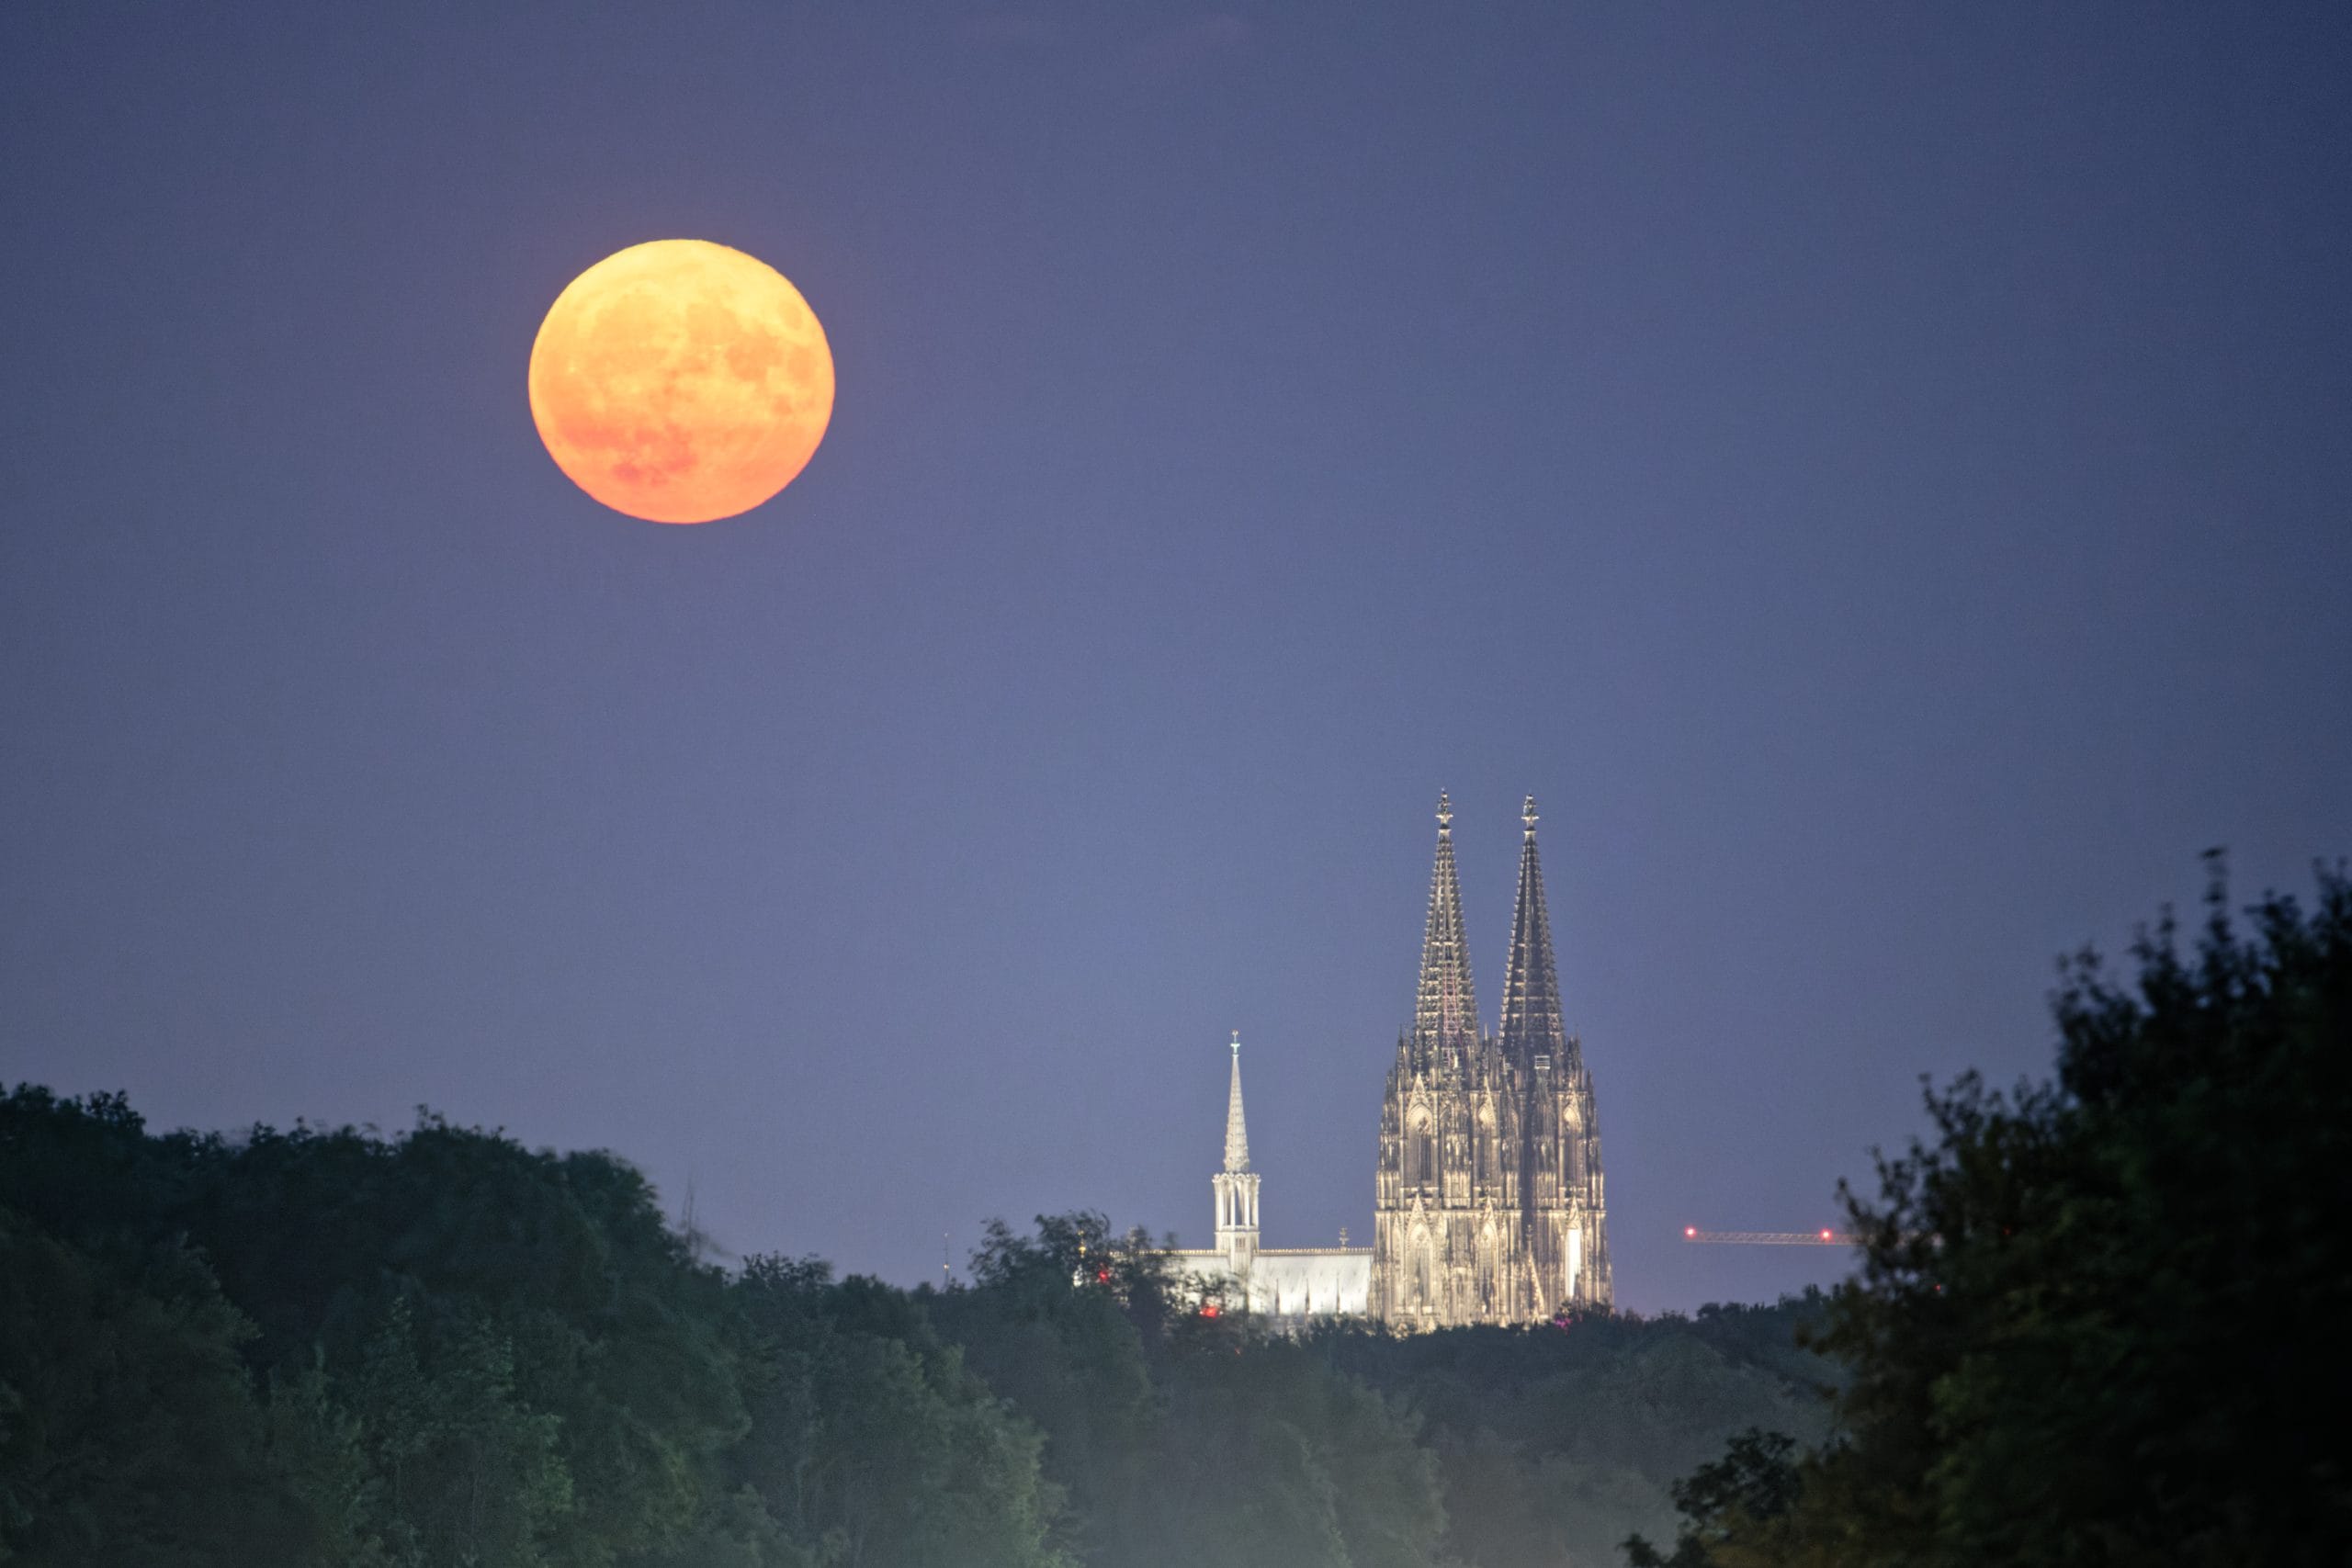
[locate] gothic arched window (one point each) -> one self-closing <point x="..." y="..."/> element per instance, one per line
<point x="1421" y="1162"/>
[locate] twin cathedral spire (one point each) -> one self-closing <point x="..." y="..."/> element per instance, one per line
<point x="1488" y="1205"/>
<point x="1446" y="1014"/>
<point x="1533" y="1023"/>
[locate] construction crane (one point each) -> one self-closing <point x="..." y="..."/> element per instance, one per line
<point x="1768" y="1238"/>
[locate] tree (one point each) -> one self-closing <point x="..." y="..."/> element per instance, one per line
<point x="871" y="1443"/>
<point x="455" y="1349"/>
<point x="541" y="1292"/>
<point x="1047" y="1325"/>
<point x="1729" y="1504"/>
<point x="1275" y="1457"/>
<point x="469" y="1475"/>
<point x="1555" y="1441"/>
<point x="2093" y="1316"/>
<point x="1181" y="1437"/>
<point x="129" y="1432"/>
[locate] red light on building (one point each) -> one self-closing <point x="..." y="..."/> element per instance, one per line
<point x="1824" y="1236"/>
<point x="1690" y="1231"/>
<point x="1209" y="1310"/>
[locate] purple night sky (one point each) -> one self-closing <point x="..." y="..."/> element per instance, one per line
<point x="1877" y="475"/>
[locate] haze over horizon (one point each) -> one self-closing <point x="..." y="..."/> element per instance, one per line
<point x="1877" y="478"/>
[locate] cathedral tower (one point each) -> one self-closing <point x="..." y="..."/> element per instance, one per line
<point x="1487" y="1199"/>
<point x="1448" y="1242"/>
<point x="1567" y="1240"/>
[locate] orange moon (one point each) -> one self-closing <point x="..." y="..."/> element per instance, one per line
<point x="681" y="381"/>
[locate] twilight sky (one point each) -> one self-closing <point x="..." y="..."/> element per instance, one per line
<point x="1878" y="475"/>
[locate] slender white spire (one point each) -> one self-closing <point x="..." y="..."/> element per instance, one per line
<point x="1237" y="1185"/>
<point x="1236" y="1131"/>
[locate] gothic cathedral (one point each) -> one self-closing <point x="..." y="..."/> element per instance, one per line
<point x="1488" y="1206"/>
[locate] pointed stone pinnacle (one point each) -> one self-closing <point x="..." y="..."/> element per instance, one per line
<point x="1237" y="1131"/>
<point x="1532" y="1020"/>
<point x="1446" y="1013"/>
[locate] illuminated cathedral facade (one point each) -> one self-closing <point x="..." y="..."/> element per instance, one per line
<point x="1487" y="1206"/>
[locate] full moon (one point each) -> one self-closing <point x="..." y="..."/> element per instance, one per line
<point x="681" y="381"/>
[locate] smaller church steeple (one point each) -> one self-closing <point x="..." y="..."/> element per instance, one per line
<point x="1237" y="1131"/>
<point x="1237" y="1185"/>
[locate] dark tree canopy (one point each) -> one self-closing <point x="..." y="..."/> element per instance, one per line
<point x="2094" y="1315"/>
<point x="334" y="1349"/>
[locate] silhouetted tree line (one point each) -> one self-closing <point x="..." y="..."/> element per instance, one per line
<point x="331" y="1349"/>
<point x="2088" y="1327"/>
<point x="2094" y="1316"/>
